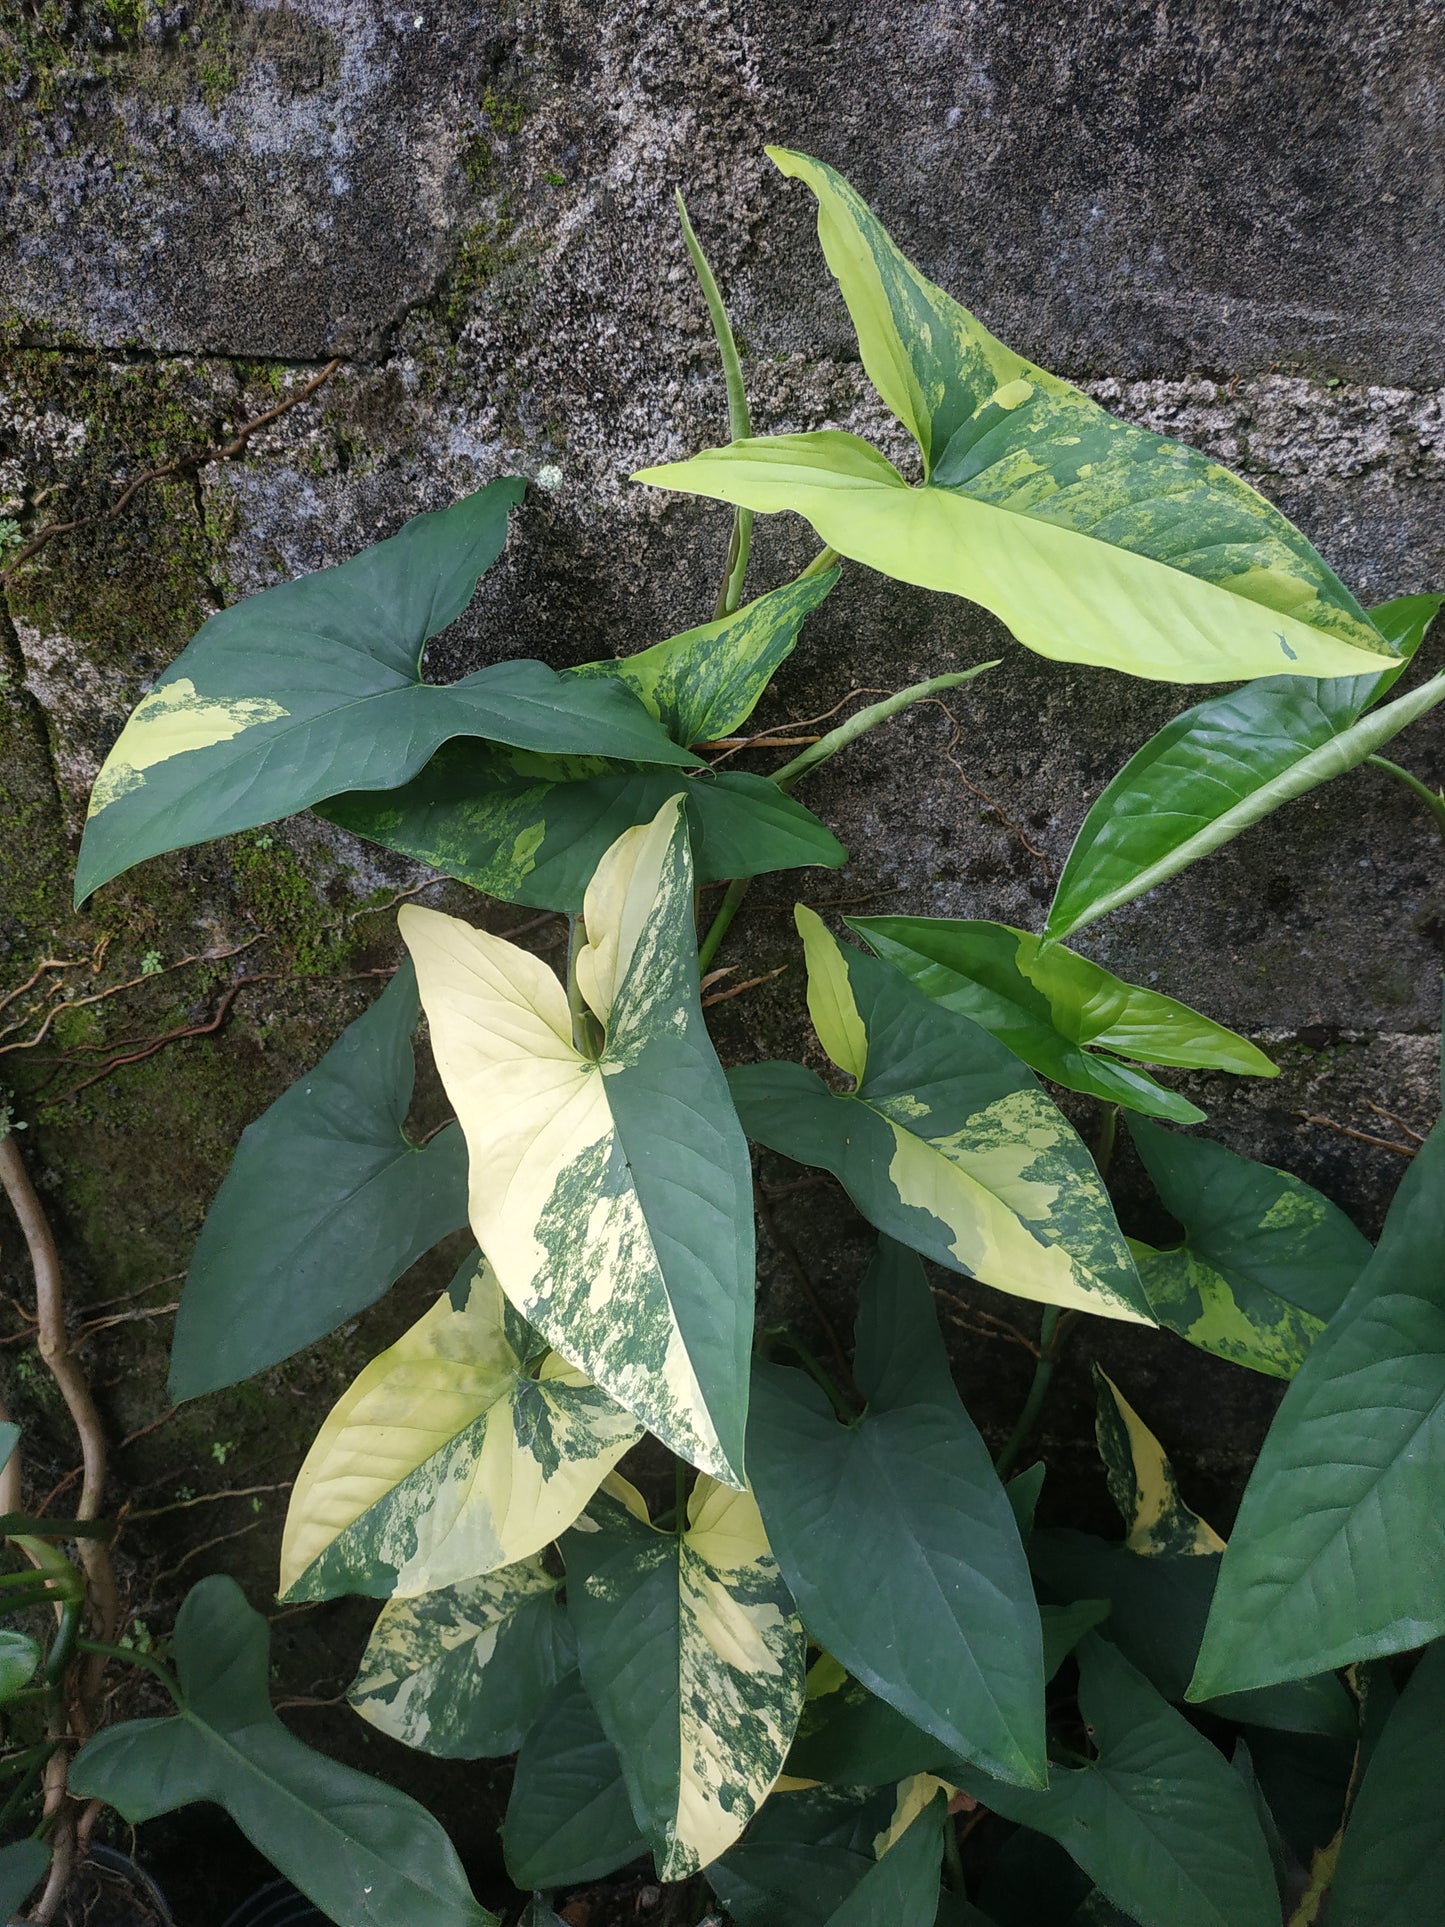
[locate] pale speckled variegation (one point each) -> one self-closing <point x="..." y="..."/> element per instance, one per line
<point x="732" y="1676"/>
<point x="1142" y="1484"/>
<point x="169" y="722"/>
<point x="610" y="1194"/>
<point x="914" y="1794"/>
<point x="433" y="1668"/>
<point x="447" y="1458"/>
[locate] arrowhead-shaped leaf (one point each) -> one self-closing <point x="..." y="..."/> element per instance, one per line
<point x="1339" y="1547"/>
<point x="693" y="1656"/>
<point x="1266" y="1260"/>
<point x="315" y="686"/>
<point x="569" y="1818"/>
<point x="456" y="1452"/>
<point x="801" y="1858"/>
<point x="900" y="1889"/>
<point x="362" y="1852"/>
<point x="462" y="1673"/>
<point x="1228" y="762"/>
<point x="705" y="683"/>
<point x="947" y="1144"/>
<point x="326" y="1204"/>
<point x="1157" y="1522"/>
<point x="532" y="829"/>
<point x="1059" y="1012"/>
<point x="1160" y="1820"/>
<point x="611" y="1195"/>
<point x="23" y="1865"/>
<point x="1388" y="1872"/>
<point x="1093" y="540"/>
<point x="897" y="1538"/>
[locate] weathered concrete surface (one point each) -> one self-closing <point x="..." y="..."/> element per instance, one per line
<point x="1224" y="217"/>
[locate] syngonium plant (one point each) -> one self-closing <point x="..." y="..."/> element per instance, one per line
<point x="839" y="1626"/>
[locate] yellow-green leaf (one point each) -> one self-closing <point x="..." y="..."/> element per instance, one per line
<point x="693" y="1655"/>
<point x="1094" y="540"/>
<point x="830" y="995"/>
<point x="1142" y="1483"/>
<point x="612" y="1196"/>
<point x="448" y="1457"/>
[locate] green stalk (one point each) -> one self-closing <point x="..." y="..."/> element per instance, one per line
<point x="869" y="718"/>
<point x="679" y="1486"/>
<point x="740" y="425"/>
<point x="819" y="752"/>
<point x="1432" y="799"/>
<point x="821" y="1376"/>
<point x="584" y="1024"/>
<point x="128" y="1656"/>
<point x="1018" y="1438"/>
<point x="824" y="560"/>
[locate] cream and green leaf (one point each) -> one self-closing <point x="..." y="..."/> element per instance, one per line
<point x="611" y="1194"/>
<point x="315" y="686"/>
<point x="1067" y="1017"/>
<point x="1093" y="540"/>
<point x="1266" y="1260"/>
<point x="947" y="1143"/>
<point x="463" y="1448"/>
<point x="461" y="1673"/>
<point x="531" y="828"/>
<point x="1157" y="1522"/>
<point x="692" y="1652"/>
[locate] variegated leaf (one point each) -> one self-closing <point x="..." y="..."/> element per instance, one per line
<point x="1266" y="1259"/>
<point x="315" y="686"/>
<point x="1094" y="540"/>
<point x="706" y="682"/>
<point x="612" y="1194"/>
<point x="693" y="1654"/>
<point x="461" y="1673"/>
<point x="1141" y="1481"/>
<point x="947" y="1144"/>
<point x="454" y="1453"/>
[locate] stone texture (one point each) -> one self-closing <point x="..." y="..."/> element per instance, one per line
<point x="1223" y="218"/>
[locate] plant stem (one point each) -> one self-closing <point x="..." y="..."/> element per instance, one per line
<point x="679" y="1487"/>
<point x="820" y="1375"/>
<point x="952" y="1858"/>
<point x="718" y="928"/>
<point x="1108" y="1132"/>
<point x="739" y="420"/>
<point x="1038" y="1391"/>
<point x="865" y="719"/>
<point x="584" y="1034"/>
<point x="820" y="564"/>
<point x="819" y="752"/>
<point x="1432" y="799"/>
<point x="128" y="1656"/>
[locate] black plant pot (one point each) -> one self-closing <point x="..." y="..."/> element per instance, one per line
<point x="277" y="1904"/>
<point x="112" y="1890"/>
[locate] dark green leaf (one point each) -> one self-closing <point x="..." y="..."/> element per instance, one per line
<point x="23" y="1865"/>
<point x="1280" y="1858"/>
<point x="315" y="686"/>
<point x="947" y="1143"/>
<point x="897" y="1538"/>
<point x="569" y="1818"/>
<point x="1160" y="1820"/>
<point x="360" y="1851"/>
<point x="1059" y="1012"/>
<point x="1388" y="1872"/>
<point x="801" y="1857"/>
<point x="325" y="1205"/>
<point x="1032" y="1882"/>
<point x="1157" y="1608"/>
<point x="1226" y="763"/>
<point x="1266" y="1259"/>
<point x="532" y="829"/>
<point x="901" y="1889"/>
<point x="1023" y="1491"/>
<point x="1340" y="1542"/>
